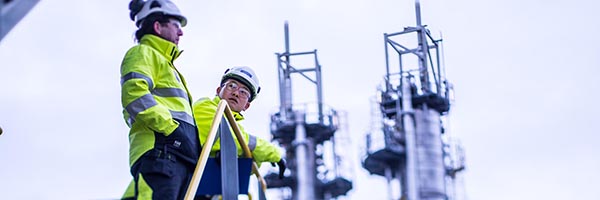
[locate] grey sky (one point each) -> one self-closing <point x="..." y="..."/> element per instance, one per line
<point x="525" y="77"/>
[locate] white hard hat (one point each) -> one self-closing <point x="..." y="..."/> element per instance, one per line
<point x="245" y="75"/>
<point x="140" y="9"/>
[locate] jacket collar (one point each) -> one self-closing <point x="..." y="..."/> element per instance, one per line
<point x="166" y="48"/>
<point x="238" y="116"/>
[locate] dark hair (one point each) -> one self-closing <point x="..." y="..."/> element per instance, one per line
<point x="135" y="6"/>
<point x="148" y="24"/>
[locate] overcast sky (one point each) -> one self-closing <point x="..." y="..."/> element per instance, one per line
<point x="524" y="72"/>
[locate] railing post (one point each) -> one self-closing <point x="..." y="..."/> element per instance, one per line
<point x="199" y="170"/>
<point x="229" y="165"/>
<point x="228" y="149"/>
<point x="262" y="195"/>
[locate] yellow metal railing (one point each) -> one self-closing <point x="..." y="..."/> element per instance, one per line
<point x="222" y="109"/>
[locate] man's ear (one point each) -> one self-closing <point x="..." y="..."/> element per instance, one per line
<point x="246" y="106"/>
<point x="157" y="27"/>
<point x="219" y="91"/>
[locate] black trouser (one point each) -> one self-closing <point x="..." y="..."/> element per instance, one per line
<point x="160" y="175"/>
<point x="165" y="171"/>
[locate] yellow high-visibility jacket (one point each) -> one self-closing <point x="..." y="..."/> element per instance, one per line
<point x="155" y="100"/>
<point x="204" y="112"/>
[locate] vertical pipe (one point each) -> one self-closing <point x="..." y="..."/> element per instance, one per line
<point x="423" y="70"/>
<point x="399" y="90"/>
<point x="388" y="177"/>
<point x="282" y="102"/>
<point x="439" y="79"/>
<point x="418" y="12"/>
<point x="409" y="130"/>
<point x="443" y="67"/>
<point x="400" y="64"/>
<point x="305" y="166"/>
<point x="286" y="74"/>
<point x="286" y="30"/>
<point x="335" y="157"/>
<point x="319" y="88"/>
<point x="401" y="174"/>
<point x="311" y="168"/>
<point x="387" y="62"/>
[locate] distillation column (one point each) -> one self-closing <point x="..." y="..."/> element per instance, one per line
<point x="303" y="137"/>
<point x="413" y="103"/>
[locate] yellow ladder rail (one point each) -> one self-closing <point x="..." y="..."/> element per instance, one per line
<point x="247" y="152"/>
<point x="222" y="108"/>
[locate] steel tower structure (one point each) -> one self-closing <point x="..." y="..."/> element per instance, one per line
<point x="304" y="132"/>
<point x="412" y="146"/>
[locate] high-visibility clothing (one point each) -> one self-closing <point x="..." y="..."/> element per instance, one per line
<point x="204" y="112"/>
<point x="155" y="100"/>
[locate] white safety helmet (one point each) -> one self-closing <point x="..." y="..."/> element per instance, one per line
<point x="140" y="9"/>
<point x="244" y="75"/>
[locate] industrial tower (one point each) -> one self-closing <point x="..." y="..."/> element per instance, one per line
<point x="307" y="133"/>
<point x="411" y="145"/>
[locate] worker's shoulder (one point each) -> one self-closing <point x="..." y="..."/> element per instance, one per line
<point x="141" y="49"/>
<point x="202" y="100"/>
<point x="141" y="54"/>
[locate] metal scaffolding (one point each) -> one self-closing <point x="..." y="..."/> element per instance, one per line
<point x="414" y="101"/>
<point x="307" y="133"/>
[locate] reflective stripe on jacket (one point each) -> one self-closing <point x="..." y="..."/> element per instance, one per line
<point x="204" y="112"/>
<point x="155" y="98"/>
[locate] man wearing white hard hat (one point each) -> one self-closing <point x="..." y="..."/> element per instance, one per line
<point x="239" y="86"/>
<point x="164" y="145"/>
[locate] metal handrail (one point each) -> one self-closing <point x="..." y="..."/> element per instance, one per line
<point x="247" y="152"/>
<point x="222" y="109"/>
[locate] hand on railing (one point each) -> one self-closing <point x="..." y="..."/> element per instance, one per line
<point x="282" y="167"/>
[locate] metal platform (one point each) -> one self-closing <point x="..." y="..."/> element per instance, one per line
<point x="334" y="188"/>
<point x="273" y="181"/>
<point x="284" y="131"/>
<point x="378" y="161"/>
<point x="442" y="105"/>
<point x="337" y="187"/>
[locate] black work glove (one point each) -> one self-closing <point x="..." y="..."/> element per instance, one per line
<point x="282" y="167"/>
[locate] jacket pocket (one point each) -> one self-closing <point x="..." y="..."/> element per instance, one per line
<point x="183" y="141"/>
